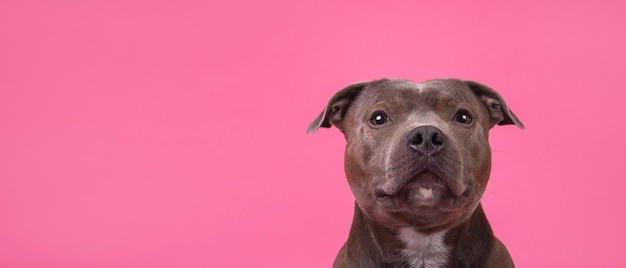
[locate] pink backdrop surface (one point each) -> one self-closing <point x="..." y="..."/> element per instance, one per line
<point x="172" y="133"/>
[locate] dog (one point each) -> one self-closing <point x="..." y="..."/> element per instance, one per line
<point x="417" y="160"/>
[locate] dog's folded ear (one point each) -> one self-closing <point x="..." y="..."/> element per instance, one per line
<point x="335" y="111"/>
<point x="499" y="112"/>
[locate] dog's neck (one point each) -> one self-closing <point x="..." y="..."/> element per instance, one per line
<point x="404" y="247"/>
<point x="424" y="250"/>
<point x="462" y="246"/>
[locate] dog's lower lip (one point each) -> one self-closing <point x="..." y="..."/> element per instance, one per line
<point x="422" y="178"/>
<point x="427" y="180"/>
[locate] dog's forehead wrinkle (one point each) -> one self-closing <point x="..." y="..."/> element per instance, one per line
<point x="418" y="119"/>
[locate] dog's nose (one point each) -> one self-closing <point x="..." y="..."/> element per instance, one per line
<point x="427" y="140"/>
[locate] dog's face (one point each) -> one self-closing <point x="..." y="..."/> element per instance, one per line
<point x="417" y="155"/>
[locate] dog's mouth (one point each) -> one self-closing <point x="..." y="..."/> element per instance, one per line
<point x="423" y="189"/>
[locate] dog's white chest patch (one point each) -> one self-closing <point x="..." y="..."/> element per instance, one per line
<point x="424" y="250"/>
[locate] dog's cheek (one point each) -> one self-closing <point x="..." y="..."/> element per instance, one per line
<point x="480" y="166"/>
<point x="361" y="144"/>
<point x="356" y="165"/>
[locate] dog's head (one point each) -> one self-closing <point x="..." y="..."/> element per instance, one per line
<point x="417" y="154"/>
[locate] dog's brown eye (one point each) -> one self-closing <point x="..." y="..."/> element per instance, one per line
<point x="379" y="119"/>
<point x="463" y="118"/>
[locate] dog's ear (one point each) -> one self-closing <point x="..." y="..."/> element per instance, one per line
<point x="499" y="112"/>
<point x="335" y="111"/>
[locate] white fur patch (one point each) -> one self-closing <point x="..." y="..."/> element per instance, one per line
<point x="426" y="193"/>
<point x="424" y="250"/>
<point x="420" y="87"/>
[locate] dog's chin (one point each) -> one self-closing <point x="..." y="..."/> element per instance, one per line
<point x="423" y="191"/>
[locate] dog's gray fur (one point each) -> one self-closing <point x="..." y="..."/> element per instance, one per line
<point x="417" y="161"/>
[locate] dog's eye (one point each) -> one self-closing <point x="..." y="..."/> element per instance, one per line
<point x="379" y="118"/>
<point x="463" y="117"/>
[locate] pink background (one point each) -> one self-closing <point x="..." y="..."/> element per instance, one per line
<point x="172" y="134"/>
